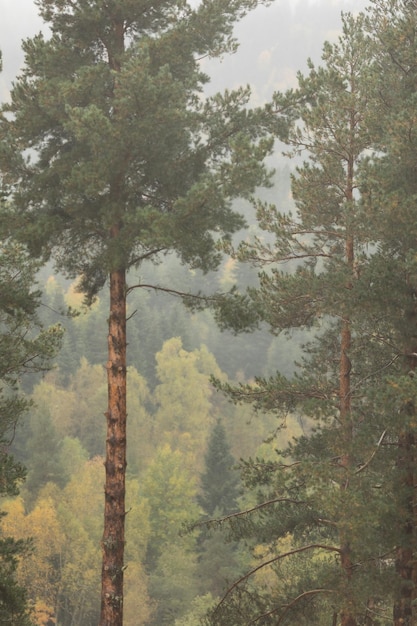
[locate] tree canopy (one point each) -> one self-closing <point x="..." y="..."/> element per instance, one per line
<point x="350" y="279"/>
<point x="116" y="158"/>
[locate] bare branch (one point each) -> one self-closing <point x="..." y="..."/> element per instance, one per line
<point x="143" y="257"/>
<point x="378" y="445"/>
<point x="258" y="507"/>
<point x="175" y="292"/>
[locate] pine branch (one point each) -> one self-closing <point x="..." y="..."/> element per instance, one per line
<point x="288" y="606"/>
<point x="374" y="373"/>
<point x="275" y="559"/>
<point x="305" y="594"/>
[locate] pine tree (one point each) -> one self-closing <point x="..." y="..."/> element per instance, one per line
<point x="128" y="162"/>
<point x="391" y="188"/>
<point x="317" y="493"/>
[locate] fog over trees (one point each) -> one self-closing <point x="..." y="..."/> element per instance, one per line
<point x="208" y="279"/>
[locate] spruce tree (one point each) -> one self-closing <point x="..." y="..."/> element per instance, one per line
<point x="117" y="159"/>
<point x="218" y="560"/>
<point x="220" y="480"/>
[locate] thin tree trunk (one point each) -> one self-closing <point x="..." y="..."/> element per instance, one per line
<point x="114" y="508"/>
<point x="347" y="616"/>
<point x="406" y="566"/>
<point x="369" y="619"/>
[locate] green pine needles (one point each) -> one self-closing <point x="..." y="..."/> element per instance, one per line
<point x="334" y="521"/>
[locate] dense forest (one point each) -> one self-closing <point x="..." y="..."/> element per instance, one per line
<point x="259" y="325"/>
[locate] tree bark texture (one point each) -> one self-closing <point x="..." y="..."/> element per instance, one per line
<point x="347" y="616"/>
<point x="114" y="508"/>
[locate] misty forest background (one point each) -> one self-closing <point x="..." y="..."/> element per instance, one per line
<point x="185" y="436"/>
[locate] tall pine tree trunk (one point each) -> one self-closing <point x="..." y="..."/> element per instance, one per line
<point x="347" y="613"/>
<point x="114" y="508"/>
<point x="113" y="542"/>
<point x="345" y="403"/>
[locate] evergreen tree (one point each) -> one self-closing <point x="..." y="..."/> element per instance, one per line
<point x="391" y="189"/>
<point x="218" y="561"/>
<point x="128" y="162"/>
<point x="317" y="493"/>
<point x="24" y="348"/>
<point x="219" y="481"/>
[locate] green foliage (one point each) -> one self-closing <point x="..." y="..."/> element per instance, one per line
<point x="218" y="562"/>
<point x="143" y="134"/>
<point x="316" y="493"/>
<point x="116" y="158"/>
<point x="44" y="467"/>
<point x="170" y="490"/>
<point x="219" y="481"/>
<point x="153" y="588"/>
<point x="173" y="584"/>
<point x="25" y="347"/>
<point x="13" y="599"/>
<point x="183" y="398"/>
<point x="198" y="608"/>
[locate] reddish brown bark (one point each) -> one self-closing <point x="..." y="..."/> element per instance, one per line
<point x="114" y="508"/>
<point x="347" y="619"/>
<point x="113" y="540"/>
<point x="347" y="615"/>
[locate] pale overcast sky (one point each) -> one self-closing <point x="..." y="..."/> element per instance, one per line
<point x="275" y="41"/>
